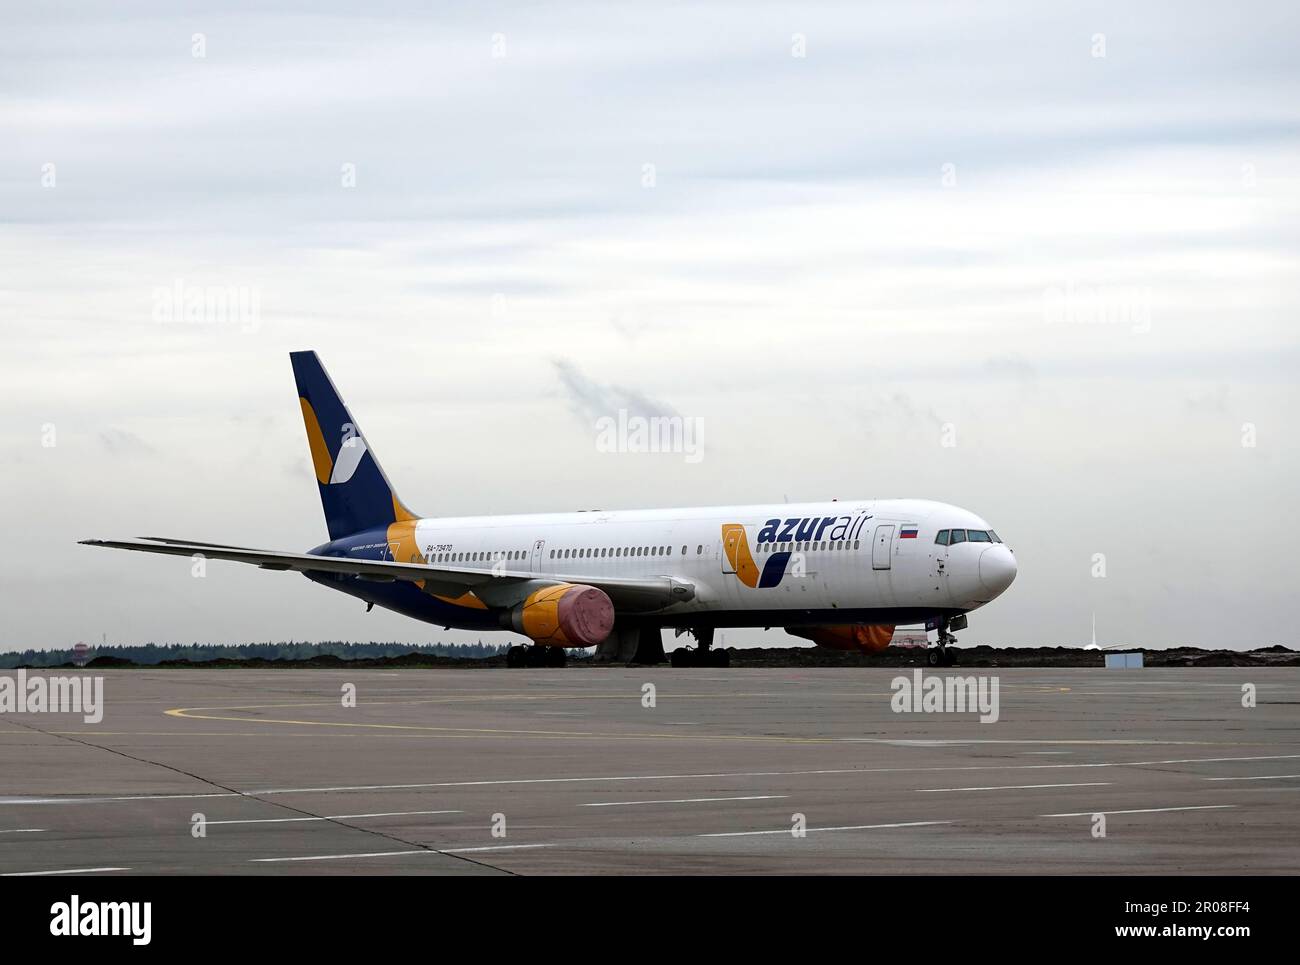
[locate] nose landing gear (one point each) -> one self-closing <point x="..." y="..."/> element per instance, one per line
<point x="940" y="655"/>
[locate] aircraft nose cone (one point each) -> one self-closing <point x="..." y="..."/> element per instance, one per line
<point x="997" y="569"/>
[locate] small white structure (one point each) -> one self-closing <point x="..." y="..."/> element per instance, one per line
<point x="1123" y="661"/>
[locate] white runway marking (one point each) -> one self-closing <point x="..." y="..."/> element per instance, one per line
<point x="397" y="854"/>
<point x="847" y="827"/>
<point x="1260" y="777"/>
<point x="336" y="857"/>
<point x="1010" y="787"/>
<point x="1193" y="807"/>
<point x="107" y="800"/>
<point x="640" y="777"/>
<point x="686" y="800"/>
<point x="21" y="830"/>
<point x="718" y="774"/>
<point x="60" y="871"/>
<point x="331" y="817"/>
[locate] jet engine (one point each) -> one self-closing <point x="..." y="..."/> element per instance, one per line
<point x="565" y="615"/>
<point x="847" y="636"/>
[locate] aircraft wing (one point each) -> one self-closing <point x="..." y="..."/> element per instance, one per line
<point x="493" y="585"/>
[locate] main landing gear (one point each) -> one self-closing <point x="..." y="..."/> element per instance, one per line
<point x="940" y="655"/>
<point x="703" y="655"/>
<point x="535" y="656"/>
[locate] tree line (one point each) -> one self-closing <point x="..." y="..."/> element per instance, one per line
<point x="153" y="653"/>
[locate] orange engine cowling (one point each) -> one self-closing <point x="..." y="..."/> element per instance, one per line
<point x="847" y="636"/>
<point x="565" y="615"/>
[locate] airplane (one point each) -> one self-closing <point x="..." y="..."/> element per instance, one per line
<point x="842" y="574"/>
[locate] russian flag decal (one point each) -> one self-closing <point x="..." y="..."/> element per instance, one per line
<point x="907" y="532"/>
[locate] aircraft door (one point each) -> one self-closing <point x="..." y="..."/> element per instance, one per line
<point x="538" y="546"/>
<point x="882" y="547"/>
<point x="732" y="536"/>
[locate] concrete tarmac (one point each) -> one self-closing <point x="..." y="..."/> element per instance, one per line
<point x="579" y="770"/>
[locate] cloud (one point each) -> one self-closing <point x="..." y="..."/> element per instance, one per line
<point x="591" y="400"/>
<point x="121" y="442"/>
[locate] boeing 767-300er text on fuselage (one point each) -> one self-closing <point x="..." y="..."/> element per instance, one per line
<point x="842" y="574"/>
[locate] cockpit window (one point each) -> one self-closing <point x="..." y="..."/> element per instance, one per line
<point x="958" y="536"/>
<point x="978" y="536"/>
<point x="942" y="538"/>
<point x="994" y="536"/>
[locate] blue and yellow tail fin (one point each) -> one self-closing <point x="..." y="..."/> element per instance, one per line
<point x="354" y="491"/>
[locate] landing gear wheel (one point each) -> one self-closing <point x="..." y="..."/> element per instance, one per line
<point x="941" y="655"/>
<point x="694" y="657"/>
<point x="702" y="656"/>
<point x="536" y="656"/>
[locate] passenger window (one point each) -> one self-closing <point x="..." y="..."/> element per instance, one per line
<point x="942" y="538"/>
<point x="958" y="536"/>
<point x="978" y="536"/>
<point x="683" y="550"/>
<point x="699" y="549"/>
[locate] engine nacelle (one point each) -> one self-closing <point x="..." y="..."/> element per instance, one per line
<point x="847" y="636"/>
<point x="565" y="615"/>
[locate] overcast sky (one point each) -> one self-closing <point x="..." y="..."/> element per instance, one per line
<point x="839" y="236"/>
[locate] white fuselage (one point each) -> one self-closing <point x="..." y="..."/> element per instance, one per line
<point x="855" y="556"/>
